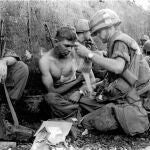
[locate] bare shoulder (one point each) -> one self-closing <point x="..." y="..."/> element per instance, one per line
<point x="46" y="61"/>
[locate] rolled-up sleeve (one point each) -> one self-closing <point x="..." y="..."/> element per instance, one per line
<point x="121" y="50"/>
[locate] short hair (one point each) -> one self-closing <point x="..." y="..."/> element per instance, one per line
<point x="66" y="32"/>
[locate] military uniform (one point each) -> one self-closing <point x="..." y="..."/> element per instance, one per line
<point x="146" y="51"/>
<point x="17" y="75"/>
<point x="121" y="96"/>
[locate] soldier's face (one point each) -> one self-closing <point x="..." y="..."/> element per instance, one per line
<point x="69" y="45"/>
<point x="103" y="35"/>
<point x="64" y="49"/>
<point x="143" y="42"/>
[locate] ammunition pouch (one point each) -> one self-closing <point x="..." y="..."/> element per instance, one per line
<point x="118" y="87"/>
<point x="121" y="90"/>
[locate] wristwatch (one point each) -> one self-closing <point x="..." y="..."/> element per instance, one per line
<point x="90" y="55"/>
<point x="81" y="92"/>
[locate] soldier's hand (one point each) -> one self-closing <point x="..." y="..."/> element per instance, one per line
<point x="84" y="90"/>
<point x="3" y="70"/>
<point x="75" y="97"/>
<point x="82" y="50"/>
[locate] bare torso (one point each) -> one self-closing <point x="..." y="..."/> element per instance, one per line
<point x="62" y="70"/>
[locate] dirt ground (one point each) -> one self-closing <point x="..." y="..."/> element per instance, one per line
<point x="104" y="142"/>
<point x="31" y="116"/>
<point x="95" y="140"/>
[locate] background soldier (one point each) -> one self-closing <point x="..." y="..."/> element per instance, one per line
<point x="146" y="51"/>
<point x="143" y="39"/>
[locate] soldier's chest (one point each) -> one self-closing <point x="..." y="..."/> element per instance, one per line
<point x="63" y="68"/>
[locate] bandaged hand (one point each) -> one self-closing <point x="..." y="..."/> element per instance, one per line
<point x="75" y="97"/>
<point x="80" y="78"/>
<point x="84" y="90"/>
<point x="3" y="70"/>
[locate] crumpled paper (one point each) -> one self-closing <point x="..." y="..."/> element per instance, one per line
<point x="51" y="133"/>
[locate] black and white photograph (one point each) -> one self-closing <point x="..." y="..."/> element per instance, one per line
<point x="74" y="74"/>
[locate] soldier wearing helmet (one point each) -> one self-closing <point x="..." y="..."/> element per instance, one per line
<point x="84" y="35"/>
<point x="146" y="47"/>
<point x="146" y="51"/>
<point x="126" y="70"/>
<point x="82" y="26"/>
<point x="85" y="65"/>
<point x="143" y="39"/>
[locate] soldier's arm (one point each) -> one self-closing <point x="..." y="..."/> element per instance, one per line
<point x="9" y="60"/>
<point x="65" y="87"/>
<point x="119" y="60"/>
<point x="10" y="57"/>
<point x="4" y="62"/>
<point x="113" y="65"/>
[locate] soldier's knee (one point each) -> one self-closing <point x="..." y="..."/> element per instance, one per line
<point x="50" y="98"/>
<point x="24" y="69"/>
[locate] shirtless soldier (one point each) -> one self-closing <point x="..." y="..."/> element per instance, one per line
<point x="59" y="74"/>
